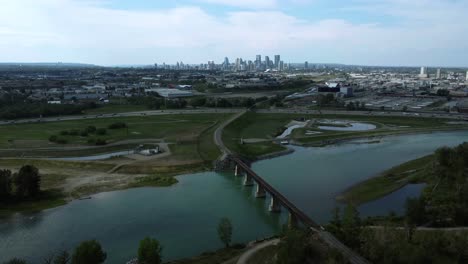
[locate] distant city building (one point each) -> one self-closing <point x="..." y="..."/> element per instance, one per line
<point x="466" y="75"/>
<point x="281" y="66"/>
<point x="211" y="65"/>
<point x="423" y="73"/>
<point x="306" y="65"/>
<point x="438" y="75"/>
<point x="267" y="62"/>
<point x="226" y="63"/>
<point x="258" y="60"/>
<point x="277" y="61"/>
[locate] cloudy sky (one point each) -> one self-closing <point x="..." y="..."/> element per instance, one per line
<point x="110" y="32"/>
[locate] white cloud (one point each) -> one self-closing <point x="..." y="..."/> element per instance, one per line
<point x="251" y="4"/>
<point x="73" y="30"/>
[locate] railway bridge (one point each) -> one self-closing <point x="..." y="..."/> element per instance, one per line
<point x="279" y="201"/>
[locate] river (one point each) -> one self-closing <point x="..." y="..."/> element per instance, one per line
<point x="184" y="217"/>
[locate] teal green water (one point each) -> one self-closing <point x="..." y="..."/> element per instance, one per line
<point x="184" y="217"/>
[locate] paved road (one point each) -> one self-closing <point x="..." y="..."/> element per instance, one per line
<point x="218" y="135"/>
<point x="249" y="253"/>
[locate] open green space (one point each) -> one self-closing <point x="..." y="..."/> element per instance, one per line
<point x="169" y="127"/>
<point x="265" y="255"/>
<point x="389" y="181"/>
<point x="267" y="126"/>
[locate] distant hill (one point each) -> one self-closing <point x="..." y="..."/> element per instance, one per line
<point x="46" y="64"/>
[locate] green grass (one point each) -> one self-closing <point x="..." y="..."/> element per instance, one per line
<point x="153" y="181"/>
<point x="45" y="200"/>
<point x="169" y="127"/>
<point x="268" y="126"/>
<point x="42" y="164"/>
<point x="218" y="256"/>
<point x="264" y="256"/>
<point x="207" y="149"/>
<point x="391" y="180"/>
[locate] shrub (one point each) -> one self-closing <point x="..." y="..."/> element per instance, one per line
<point x="100" y="142"/>
<point x="91" y="141"/>
<point x="84" y="133"/>
<point x="74" y="132"/>
<point x="117" y="125"/>
<point x="91" y="129"/>
<point x="64" y="133"/>
<point x="62" y="141"/>
<point x="101" y="131"/>
<point x="53" y="138"/>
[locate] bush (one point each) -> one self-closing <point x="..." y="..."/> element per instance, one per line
<point x="62" y="141"/>
<point x="84" y="133"/>
<point x="149" y="251"/>
<point x="91" y="129"/>
<point x="91" y="141"/>
<point x="89" y="252"/>
<point x="100" y="142"/>
<point x="117" y="125"/>
<point x="53" y="138"/>
<point x="101" y="131"/>
<point x="74" y="132"/>
<point x="64" y="133"/>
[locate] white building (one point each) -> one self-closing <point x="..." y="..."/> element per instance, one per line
<point x="438" y="75"/>
<point x="423" y="73"/>
<point x="172" y="93"/>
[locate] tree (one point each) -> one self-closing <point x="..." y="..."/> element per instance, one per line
<point x="16" y="261"/>
<point x="149" y="251"/>
<point x="27" y="181"/>
<point x="295" y="248"/>
<point x="62" y="258"/>
<point x="351" y="226"/>
<point x="89" y="252"/>
<point x="5" y="183"/>
<point x="225" y="231"/>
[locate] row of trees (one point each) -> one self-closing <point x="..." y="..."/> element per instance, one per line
<point x="444" y="201"/>
<point x="389" y="243"/>
<point x="28" y="110"/>
<point x="26" y="183"/>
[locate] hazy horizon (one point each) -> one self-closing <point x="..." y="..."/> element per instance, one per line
<point x="394" y="33"/>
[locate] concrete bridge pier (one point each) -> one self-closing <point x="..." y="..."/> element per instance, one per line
<point x="248" y="181"/>
<point x="275" y="207"/>
<point x="238" y="171"/>
<point x="260" y="193"/>
<point x="292" y="221"/>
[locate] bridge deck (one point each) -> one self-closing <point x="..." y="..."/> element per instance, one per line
<point x="328" y="238"/>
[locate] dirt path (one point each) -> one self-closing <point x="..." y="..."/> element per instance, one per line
<point x="249" y="253"/>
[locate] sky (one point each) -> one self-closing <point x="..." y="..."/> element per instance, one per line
<point x="131" y="32"/>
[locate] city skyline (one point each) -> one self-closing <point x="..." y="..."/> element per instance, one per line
<point x="118" y="32"/>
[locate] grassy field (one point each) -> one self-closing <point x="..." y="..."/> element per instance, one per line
<point x="268" y="126"/>
<point x="265" y="255"/>
<point x="189" y="138"/>
<point x="169" y="127"/>
<point x="391" y="180"/>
